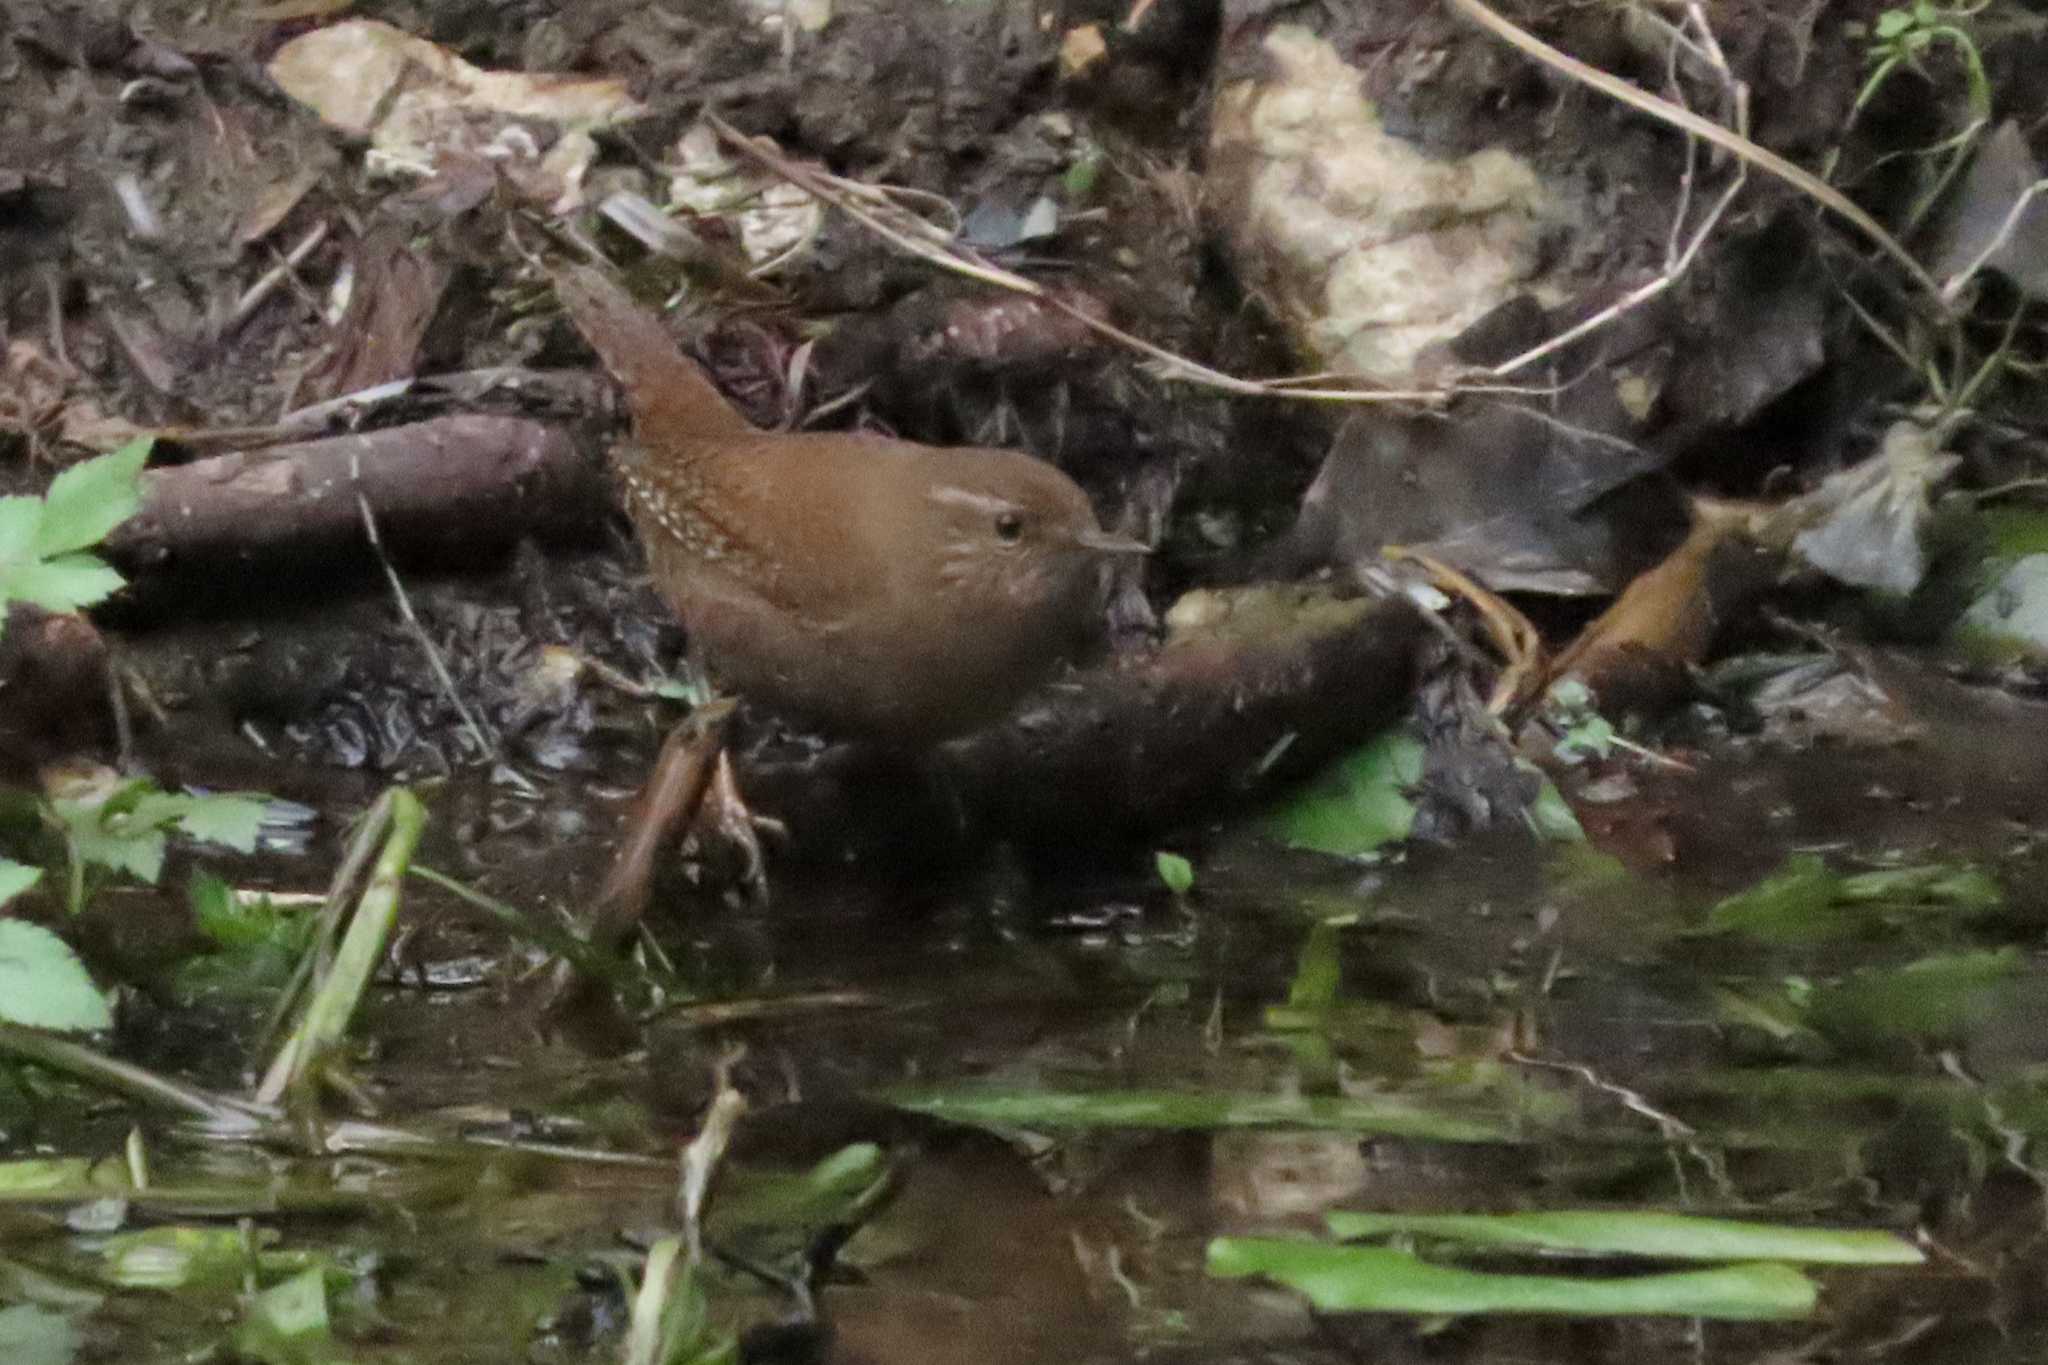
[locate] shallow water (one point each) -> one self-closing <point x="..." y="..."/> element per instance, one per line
<point x="1526" y="1025"/>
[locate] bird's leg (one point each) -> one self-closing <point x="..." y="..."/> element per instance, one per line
<point x="729" y="817"/>
<point x="723" y="812"/>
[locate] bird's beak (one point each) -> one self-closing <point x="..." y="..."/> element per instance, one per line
<point x="1107" y="543"/>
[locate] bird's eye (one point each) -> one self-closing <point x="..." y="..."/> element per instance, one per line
<point x="1009" y="527"/>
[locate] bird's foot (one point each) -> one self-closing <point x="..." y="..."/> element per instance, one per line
<point x="727" y="817"/>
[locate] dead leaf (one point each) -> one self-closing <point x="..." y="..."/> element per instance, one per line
<point x="1082" y="48"/>
<point x="1862" y="526"/>
<point x="1636" y="653"/>
<point x="1988" y="226"/>
<point x="273" y="204"/>
<point x="417" y="103"/>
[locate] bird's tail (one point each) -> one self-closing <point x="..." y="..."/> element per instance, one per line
<point x="672" y="400"/>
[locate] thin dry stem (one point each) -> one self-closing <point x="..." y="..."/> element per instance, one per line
<point x="2006" y="227"/>
<point x="246" y="306"/>
<point x="1677" y="259"/>
<point x="1635" y="298"/>
<point x="483" y="739"/>
<point x="950" y="257"/>
<point x="1763" y="158"/>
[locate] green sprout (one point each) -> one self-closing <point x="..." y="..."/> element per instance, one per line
<point x="1905" y="36"/>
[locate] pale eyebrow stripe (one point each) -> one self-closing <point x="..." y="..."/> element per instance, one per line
<point x="967" y="497"/>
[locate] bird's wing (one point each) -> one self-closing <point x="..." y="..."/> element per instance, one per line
<point x="819" y="519"/>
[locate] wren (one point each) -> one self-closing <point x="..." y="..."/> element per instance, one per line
<point x="872" y="587"/>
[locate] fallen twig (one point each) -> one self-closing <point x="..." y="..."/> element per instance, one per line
<point x="220" y="1113"/>
<point x="267" y="283"/>
<point x="1518" y="641"/>
<point x="674" y="793"/>
<point x="485" y="740"/>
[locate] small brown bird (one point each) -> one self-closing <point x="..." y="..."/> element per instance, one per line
<point x="874" y="587"/>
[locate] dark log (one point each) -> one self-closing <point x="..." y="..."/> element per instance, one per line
<point x="461" y="483"/>
<point x="1218" y="720"/>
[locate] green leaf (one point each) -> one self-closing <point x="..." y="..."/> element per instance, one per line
<point x="1340" y="1279"/>
<point x="65" y="583"/>
<point x="1947" y="884"/>
<point x="176" y="1257"/>
<point x="1806" y="901"/>
<point x="838" y="1190"/>
<point x="1892" y="23"/>
<point x="1789" y="906"/>
<point x="1550" y="815"/>
<point x="1592" y="737"/>
<point x="1080" y="177"/>
<point x="90" y="499"/>
<point x="16" y="878"/>
<point x="1358" y="803"/>
<point x="1319" y="971"/>
<point x="120" y="846"/>
<point x="671" y="1322"/>
<point x="218" y="911"/>
<point x="689" y="691"/>
<point x="243" y="923"/>
<point x="1176" y="872"/>
<point x="233" y="821"/>
<point x="32" y="1335"/>
<point x="43" y="984"/>
<point x="1773" y="1013"/>
<point x="142" y="804"/>
<point x="287" y="1323"/>
<point x="1665" y="1236"/>
<point x="1943" y="997"/>
<point x="125" y="832"/>
<point x="101" y="834"/>
<point x="35" y="1175"/>
<point x="19" y="520"/>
